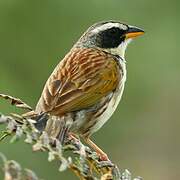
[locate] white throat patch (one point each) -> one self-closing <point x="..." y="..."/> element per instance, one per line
<point x="120" y="50"/>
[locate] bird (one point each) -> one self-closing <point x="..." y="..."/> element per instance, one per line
<point x="86" y="86"/>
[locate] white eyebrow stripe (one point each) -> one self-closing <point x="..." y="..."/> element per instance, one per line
<point x="108" y="26"/>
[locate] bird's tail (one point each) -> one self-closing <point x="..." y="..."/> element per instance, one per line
<point x="55" y="126"/>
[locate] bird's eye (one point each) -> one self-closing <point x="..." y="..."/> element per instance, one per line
<point x="111" y="38"/>
<point x="114" y="32"/>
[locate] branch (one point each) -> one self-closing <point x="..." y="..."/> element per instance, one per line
<point x="13" y="171"/>
<point x="85" y="163"/>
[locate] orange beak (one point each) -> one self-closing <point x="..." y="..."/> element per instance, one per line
<point x="133" y="32"/>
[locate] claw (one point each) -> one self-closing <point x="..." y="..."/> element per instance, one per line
<point x="103" y="157"/>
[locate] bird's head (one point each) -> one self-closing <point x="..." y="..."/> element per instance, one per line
<point x="110" y="36"/>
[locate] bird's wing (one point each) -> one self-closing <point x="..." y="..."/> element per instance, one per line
<point x="80" y="80"/>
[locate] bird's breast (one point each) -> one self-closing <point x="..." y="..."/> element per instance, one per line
<point x="112" y="104"/>
<point x="91" y="120"/>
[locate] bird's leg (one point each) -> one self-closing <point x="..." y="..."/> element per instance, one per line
<point x="103" y="156"/>
<point x="73" y="136"/>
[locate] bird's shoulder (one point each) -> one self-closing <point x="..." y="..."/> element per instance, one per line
<point x="79" y="80"/>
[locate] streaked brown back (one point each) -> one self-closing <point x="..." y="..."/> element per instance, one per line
<point x="79" y="81"/>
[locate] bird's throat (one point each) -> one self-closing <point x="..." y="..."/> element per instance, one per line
<point x="120" y="50"/>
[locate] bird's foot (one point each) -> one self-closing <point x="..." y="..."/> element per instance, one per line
<point x="72" y="136"/>
<point x="103" y="156"/>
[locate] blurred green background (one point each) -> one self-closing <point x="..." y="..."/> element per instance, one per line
<point x="143" y="134"/>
